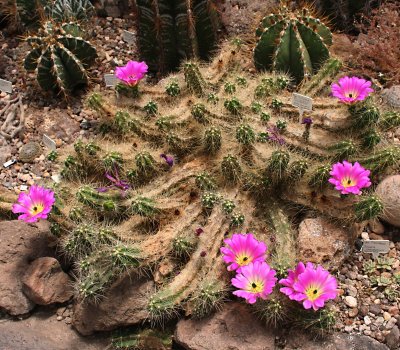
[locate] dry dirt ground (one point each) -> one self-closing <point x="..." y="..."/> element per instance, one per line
<point x="42" y="331"/>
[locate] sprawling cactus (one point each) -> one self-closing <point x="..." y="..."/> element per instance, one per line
<point x="296" y="43"/>
<point x="169" y="31"/>
<point x="159" y="193"/>
<point x="60" y="57"/>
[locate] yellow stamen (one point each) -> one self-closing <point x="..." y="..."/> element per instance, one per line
<point x="243" y="259"/>
<point x="255" y="287"/>
<point x="313" y="292"/>
<point x="37" y="208"/>
<point x="348" y="182"/>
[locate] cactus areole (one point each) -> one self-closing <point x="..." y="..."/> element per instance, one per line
<point x="60" y="57"/>
<point x="294" y="43"/>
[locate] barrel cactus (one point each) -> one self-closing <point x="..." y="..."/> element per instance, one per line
<point x="60" y="57"/>
<point x="293" y="42"/>
<point x="169" y="31"/>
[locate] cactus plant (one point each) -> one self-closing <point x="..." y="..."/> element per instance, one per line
<point x="171" y="31"/>
<point x="214" y="183"/>
<point x="292" y="42"/>
<point x="59" y="57"/>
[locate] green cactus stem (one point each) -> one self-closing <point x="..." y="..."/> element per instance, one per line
<point x="212" y="139"/>
<point x="390" y="120"/>
<point x="230" y="168"/>
<point x="369" y="207"/>
<point x="173" y="89"/>
<point x="297" y="170"/>
<point x="194" y="80"/>
<point x="380" y="161"/>
<point x="151" y="108"/>
<point x="370" y="139"/>
<point x="320" y="176"/>
<point x="230" y="88"/>
<point x="343" y="149"/>
<point x="205" y="181"/>
<point x="233" y="105"/>
<point x="245" y="134"/>
<point x="199" y="112"/>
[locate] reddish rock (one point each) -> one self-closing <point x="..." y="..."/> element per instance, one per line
<point x="322" y="242"/>
<point x="124" y="304"/>
<point x="235" y="327"/>
<point x="20" y="244"/>
<point x="46" y="283"/>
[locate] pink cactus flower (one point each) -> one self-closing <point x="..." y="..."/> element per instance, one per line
<point x="351" y="89"/>
<point x="35" y="205"/>
<point x="349" y="178"/>
<point x="132" y="73"/>
<point x="315" y="286"/>
<point x="241" y="250"/>
<point x="255" y="280"/>
<point x="291" y="279"/>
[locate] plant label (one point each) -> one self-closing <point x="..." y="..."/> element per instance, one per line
<point x="9" y="163"/>
<point x="376" y="247"/>
<point x="49" y="142"/>
<point x="6" y="86"/>
<point x="111" y="80"/>
<point x="128" y="37"/>
<point x="303" y="103"/>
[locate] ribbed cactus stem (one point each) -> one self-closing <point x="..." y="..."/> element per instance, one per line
<point x="230" y="168"/>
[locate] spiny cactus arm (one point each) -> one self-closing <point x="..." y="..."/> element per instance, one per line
<point x="288" y="54"/>
<point x="316" y="47"/>
<point x="326" y="74"/>
<point x="264" y="51"/>
<point x="84" y="52"/>
<point x="207" y="24"/>
<point x="32" y="59"/>
<point x="187" y="281"/>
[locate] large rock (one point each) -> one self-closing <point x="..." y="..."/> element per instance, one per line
<point x="123" y="305"/>
<point x="42" y="331"/>
<point x="46" y="283"/>
<point x="236" y="328"/>
<point x="322" y="242"/>
<point x="20" y="244"/>
<point x="388" y="191"/>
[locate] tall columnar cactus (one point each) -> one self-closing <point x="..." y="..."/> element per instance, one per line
<point x="294" y="43"/>
<point x="60" y="57"/>
<point x="168" y="215"/>
<point x="169" y="31"/>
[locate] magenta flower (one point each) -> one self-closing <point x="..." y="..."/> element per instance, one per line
<point x="349" y="178"/>
<point x="255" y="280"/>
<point x="291" y="279"/>
<point x="314" y="287"/>
<point x="241" y="250"/>
<point x="168" y="159"/>
<point x="35" y="205"/>
<point x="132" y="73"/>
<point x="351" y="89"/>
